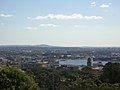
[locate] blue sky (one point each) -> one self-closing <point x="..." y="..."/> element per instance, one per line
<point x="60" y="22"/>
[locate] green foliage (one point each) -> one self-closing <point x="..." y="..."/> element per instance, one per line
<point x="45" y="78"/>
<point x="15" y="79"/>
<point x="86" y="79"/>
<point x="111" y="73"/>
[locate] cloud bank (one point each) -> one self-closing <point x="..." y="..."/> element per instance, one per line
<point x="75" y="16"/>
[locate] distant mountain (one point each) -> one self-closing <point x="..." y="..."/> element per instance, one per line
<point x="44" y="45"/>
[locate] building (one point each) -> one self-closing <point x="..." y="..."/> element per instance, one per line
<point x="89" y="62"/>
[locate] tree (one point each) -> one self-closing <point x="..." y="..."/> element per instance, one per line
<point x="15" y="79"/>
<point x="88" y="72"/>
<point x="111" y="73"/>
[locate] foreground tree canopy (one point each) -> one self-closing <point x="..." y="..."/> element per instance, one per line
<point x="85" y="79"/>
<point x="15" y="79"/>
<point x="111" y="73"/>
<point x="60" y="79"/>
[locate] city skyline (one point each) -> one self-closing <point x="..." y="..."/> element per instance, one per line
<point x="60" y="23"/>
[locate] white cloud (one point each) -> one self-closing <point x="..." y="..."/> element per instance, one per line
<point x="77" y="16"/>
<point x="28" y="17"/>
<point x="93" y="4"/>
<point x="5" y="15"/>
<point x="31" y="28"/>
<point x="41" y="25"/>
<point x="105" y="5"/>
<point x="48" y="25"/>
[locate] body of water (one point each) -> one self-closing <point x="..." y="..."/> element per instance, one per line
<point x="79" y="62"/>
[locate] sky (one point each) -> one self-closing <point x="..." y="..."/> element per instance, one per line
<point x="60" y="22"/>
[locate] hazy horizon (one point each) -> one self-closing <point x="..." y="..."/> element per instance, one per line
<point x="74" y="23"/>
<point x="55" y="45"/>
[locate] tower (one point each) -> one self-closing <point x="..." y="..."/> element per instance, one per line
<point x="89" y="62"/>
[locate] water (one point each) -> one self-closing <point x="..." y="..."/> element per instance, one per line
<point x="103" y="62"/>
<point x="73" y="62"/>
<point x="78" y="62"/>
